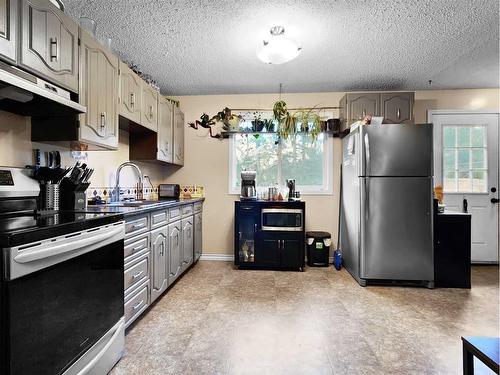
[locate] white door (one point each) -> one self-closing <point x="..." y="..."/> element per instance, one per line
<point x="466" y="161"/>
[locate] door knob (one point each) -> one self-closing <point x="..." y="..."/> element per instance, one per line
<point x="495" y="200"/>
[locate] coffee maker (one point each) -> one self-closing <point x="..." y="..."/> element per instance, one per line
<point x="248" y="191"/>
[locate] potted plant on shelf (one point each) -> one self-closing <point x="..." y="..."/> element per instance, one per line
<point x="269" y="125"/>
<point x="257" y="122"/>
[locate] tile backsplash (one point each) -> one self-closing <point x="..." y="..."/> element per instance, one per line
<point x="127" y="192"/>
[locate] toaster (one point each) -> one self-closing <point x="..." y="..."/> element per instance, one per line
<point x="169" y="191"/>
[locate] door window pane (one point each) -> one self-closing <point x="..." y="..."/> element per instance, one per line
<point x="479" y="182"/>
<point x="450" y="181"/>
<point x="463" y="159"/>
<point x="449" y="159"/>
<point x="479" y="158"/>
<point x="464" y="181"/>
<point x="463" y="139"/>
<point x="465" y="164"/>
<point x="478" y="138"/>
<point x="449" y="136"/>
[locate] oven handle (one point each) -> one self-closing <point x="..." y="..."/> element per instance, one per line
<point x="50" y="251"/>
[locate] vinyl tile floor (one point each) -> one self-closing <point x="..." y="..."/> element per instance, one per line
<point x="219" y="320"/>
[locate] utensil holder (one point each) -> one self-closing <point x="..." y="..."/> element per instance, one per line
<point x="51" y="197"/>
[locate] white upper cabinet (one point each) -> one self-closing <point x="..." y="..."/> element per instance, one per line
<point x="149" y="117"/>
<point x="8" y="29"/>
<point x="99" y="93"/>
<point x="49" y="43"/>
<point x="130" y="94"/>
<point x="178" y="136"/>
<point x="165" y="130"/>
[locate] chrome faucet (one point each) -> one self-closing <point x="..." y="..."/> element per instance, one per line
<point x="116" y="195"/>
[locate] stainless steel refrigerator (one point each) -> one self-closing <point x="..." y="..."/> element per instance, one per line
<point x="386" y="221"/>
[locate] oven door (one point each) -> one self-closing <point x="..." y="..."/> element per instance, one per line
<point x="282" y="219"/>
<point x="71" y="299"/>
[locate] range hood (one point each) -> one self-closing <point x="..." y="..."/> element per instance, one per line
<point x="27" y="95"/>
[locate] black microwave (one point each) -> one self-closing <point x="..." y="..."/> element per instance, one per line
<point x="282" y="219"/>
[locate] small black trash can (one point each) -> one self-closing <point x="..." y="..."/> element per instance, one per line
<point x="318" y="248"/>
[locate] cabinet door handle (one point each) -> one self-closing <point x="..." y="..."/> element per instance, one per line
<point x="255" y="227"/>
<point x="137" y="248"/>
<point x="132" y="99"/>
<point x="137" y="275"/>
<point x="53" y="43"/>
<point x="103" y="120"/>
<point x="137" y="226"/>
<point x="151" y="112"/>
<point x="399" y="114"/>
<point x="139" y="304"/>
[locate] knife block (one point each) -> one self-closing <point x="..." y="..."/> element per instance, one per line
<point x="72" y="196"/>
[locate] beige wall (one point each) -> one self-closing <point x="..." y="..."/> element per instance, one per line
<point x="207" y="159"/>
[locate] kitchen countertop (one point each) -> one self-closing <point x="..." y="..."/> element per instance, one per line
<point x="136" y="210"/>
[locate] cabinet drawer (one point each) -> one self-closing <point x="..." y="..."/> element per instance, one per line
<point x="174" y="214"/>
<point x="134" y="246"/>
<point x="136" y="304"/>
<point x="159" y="218"/>
<point x="137" y="273"/>
<point x="187" y="210"/>
<point x="198" y="207"/>
<point x="136" y="226"/>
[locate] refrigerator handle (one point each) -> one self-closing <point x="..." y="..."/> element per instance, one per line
<point x="367" y="155"/>
<point x="367" y="198"/>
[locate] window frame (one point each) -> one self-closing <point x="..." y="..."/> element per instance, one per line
<point x="325" y="189"/>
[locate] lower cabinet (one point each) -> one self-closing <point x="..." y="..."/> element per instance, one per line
<point x="159" y="254"/>
<point x="280" y="250"/>
<point x="187" y="242"/>
<point x="159" y="246"/>
<point x="198" y="236"/>
<point x="174" y="240"/>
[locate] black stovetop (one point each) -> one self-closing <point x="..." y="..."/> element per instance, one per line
<point x="27" y="228"/>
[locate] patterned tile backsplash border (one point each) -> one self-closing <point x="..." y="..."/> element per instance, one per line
<point x="196" y="191"/>
<point x="128" y="192"/>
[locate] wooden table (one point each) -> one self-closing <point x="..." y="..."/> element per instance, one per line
<point x="484" y="348"/>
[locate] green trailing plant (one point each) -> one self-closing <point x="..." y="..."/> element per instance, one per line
<point x="310" y="121"/>
<point x="284" y="122"/>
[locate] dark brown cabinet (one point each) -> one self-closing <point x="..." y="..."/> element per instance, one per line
<point x="8" y="29"/>
<point x="49" y="43"/>
<point x="361" y="105"/>
<point x="397" y="107"/>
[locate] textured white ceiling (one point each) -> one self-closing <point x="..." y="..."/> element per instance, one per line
<point x="208" y="47"/>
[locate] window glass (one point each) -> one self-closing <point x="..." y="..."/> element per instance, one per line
<point x="299" y="157"/>
<point x="465" y="164"/>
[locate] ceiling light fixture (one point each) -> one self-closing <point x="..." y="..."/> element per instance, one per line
<point x="278" y="49"/>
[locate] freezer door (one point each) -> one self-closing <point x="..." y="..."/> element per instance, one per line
<point x="350" y="206"/>
<point x="396" y="150"/>
<point x="396" y="228"/>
